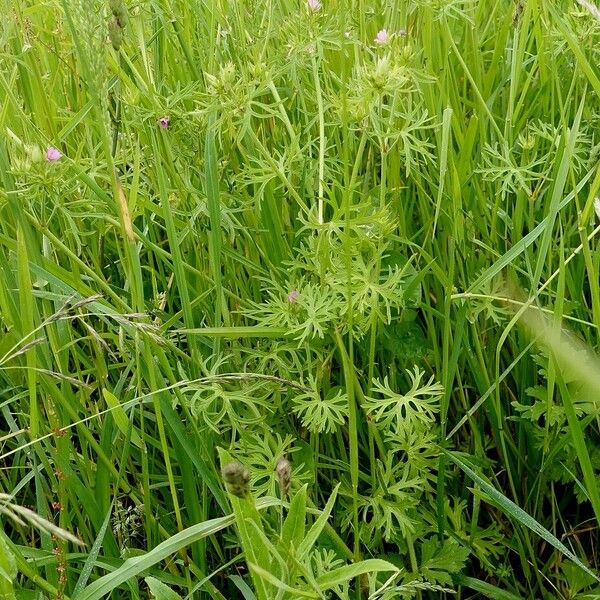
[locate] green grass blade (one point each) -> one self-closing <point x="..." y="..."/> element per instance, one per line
<point x="511" y="509"/>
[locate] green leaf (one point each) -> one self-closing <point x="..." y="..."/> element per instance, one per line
<point x="576" y="578"/>
<point x="244" y="588"/>
<point x="487" y="589"/>
<point x="92" y="556"/>
<point x="8" y="571"/>
<point x="269" y="577"/>
<point x="438" y="561"/>
<point x="120" y="416"/>
<point x="293" y="528"/>
<point x="315" y="531"/>
<point x="348" y="572"/>
<point x="136" y="565"/>
<point x="518" y="513"/>
<point x="255" y="550"/>
<point x="160" y="591"/>
<point x="519" y="248"/>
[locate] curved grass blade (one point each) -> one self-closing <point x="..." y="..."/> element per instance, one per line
<point x="510" y="508"/>
<point x="138" y="564"/>
<point x="92" y="556"/>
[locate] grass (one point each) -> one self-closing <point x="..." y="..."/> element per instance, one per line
<point x="359" y="279"/>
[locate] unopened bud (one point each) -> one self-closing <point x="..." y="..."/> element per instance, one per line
<point x="237" y="479"/>
<point x="284" y="474"/>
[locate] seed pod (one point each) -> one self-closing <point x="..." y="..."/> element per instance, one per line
<point x="237" y="479"/>
<point x="284" y="474"/>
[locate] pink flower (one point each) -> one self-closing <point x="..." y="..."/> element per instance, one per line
<point x="163" y="122"/>
<point x="53" y="153"/>
<point x="382" y="37"/>
<point x="314" y="5"/>
<point x="293" y="296"/>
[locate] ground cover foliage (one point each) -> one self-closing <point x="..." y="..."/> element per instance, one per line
<point x="299" y="299"/>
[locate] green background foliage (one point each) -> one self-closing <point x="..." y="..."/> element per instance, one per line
<point x="275" y="233"/>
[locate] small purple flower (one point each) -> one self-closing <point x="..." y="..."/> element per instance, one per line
<point x="314" y="5"/>
<point x="382" y="37"/>
<point x="402" y="33"/>
<point x="293" y="296"/>
<point x="53" y="154"/>
<point x="163" y="122"/>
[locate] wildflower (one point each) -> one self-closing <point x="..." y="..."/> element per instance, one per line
<point x="53" y="153"/>
<point x="314" y="5"/>
<point x="402" y="33"/>
<point x="163" y="122"/>
<point x="293" y="296"/>
<point x="382" y="37"/>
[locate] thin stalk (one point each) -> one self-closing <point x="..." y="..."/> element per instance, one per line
<point x="322" y="140"/>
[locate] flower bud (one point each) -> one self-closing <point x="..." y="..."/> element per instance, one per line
<point x="284" y="474"/>
<point x="237" y="479"/>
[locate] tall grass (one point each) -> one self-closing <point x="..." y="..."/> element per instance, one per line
<point x="350" y="235"/>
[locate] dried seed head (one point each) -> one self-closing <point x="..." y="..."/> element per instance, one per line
<point x="284" y="474"/>
<point x="237" y="479"/>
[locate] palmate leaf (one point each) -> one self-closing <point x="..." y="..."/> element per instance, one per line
<point x="396" y="411"/>
<point x="439" y="561"/>
<point x="321" y="414"/>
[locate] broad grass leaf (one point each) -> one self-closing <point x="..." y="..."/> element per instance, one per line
<point x="248" y="521"/>
<point x="160" y="591"/>
<point x="315" y="531"/>
<point x="8" y="571"/>
<point x="133" y="567"/>
<point x="293" y="529"/>
<point x="347" y="572"/>
<point x="120" y="417"/>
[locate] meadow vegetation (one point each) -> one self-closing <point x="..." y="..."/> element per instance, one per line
<point x="299" y="299"/>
